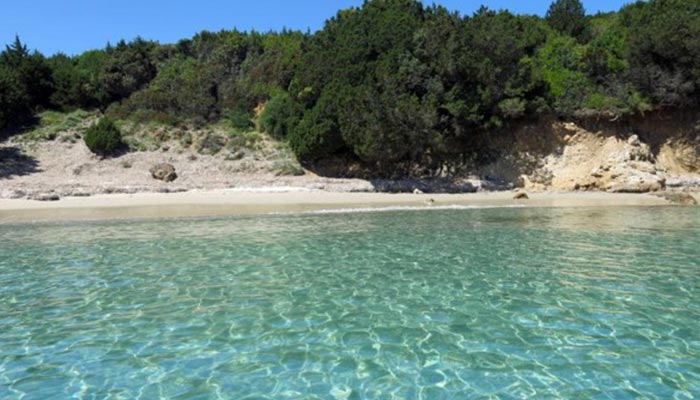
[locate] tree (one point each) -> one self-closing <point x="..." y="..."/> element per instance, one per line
<point x="182" y="90"/>
<point x="27" y="79"/>
<point x="280" y="114"/>
<point x="569" y="18"/>
<point x="353" y="59"/>
<point x="128" y="68"/>
<point x="664" y="50"/>
<point x="560" y="64"/>
<point x="66" y="81"/>
<point x="317" y="134"/>
<point x="14" y="104"/>
<point x="90" y="89"/>
<point x="393" y="84"/>
<point x="14" y="54"/>
<point x="498" y="46"/>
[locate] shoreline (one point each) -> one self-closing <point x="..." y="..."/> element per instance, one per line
<point x="232" y="202"/>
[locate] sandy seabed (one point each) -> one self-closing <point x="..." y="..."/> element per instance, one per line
<point x="286" y="200"/>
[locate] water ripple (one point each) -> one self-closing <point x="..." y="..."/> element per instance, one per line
<point x="447" y="304"/>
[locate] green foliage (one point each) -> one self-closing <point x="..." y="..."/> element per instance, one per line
<point x="89" y="90"/>
<point x="664" y="42"/>
<point x="239" y="118"/>
<point x="52" y="123"/>
<point x="499" y="49"/>
<point x="128" y="67"/>
<point x="569" y="18"/>
<point x="25" y="80"/>
<point x="182" y="89"/>
<point x="104" y="138"/>
<point x="317" y="134"/>
<point x="14" y="102"/>
<point x="78" y="81"/>
<point x="512" y="108"/>
<point x="243" y="139"/>
<point x="66" y="80"/>
<point x="394" y="84"/>
<point x="287" y="167"/>
<point x="280" y="114"/>
<point x="210" y="144"/>
<point x="606" y="55"/>
<point x="214" y="76"/>
<point x="560" y="62"/>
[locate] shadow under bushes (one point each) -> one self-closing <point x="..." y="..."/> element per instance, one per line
<point x="16" y="129"/>
<point x="14" y="163"/>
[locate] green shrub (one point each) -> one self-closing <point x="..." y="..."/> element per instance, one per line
<point x="210" y="144"/>
<point x="103" y="138"/>
<point x="315" y="137"/>
<point x="51" y="124"/>
<point x="186" y="140"/>
<point x="512" y="108"/>
<point x="239" y="118"/>
<point x="280" y="114"/>
<point x="244" y="139"/>
<point x="287" y="167"/>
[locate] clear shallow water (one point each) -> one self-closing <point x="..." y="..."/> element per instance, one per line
<point x="451" y="304"/>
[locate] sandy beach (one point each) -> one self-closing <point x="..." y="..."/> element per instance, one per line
<point x="282" y="200"/>
<point x="591" y="169"/>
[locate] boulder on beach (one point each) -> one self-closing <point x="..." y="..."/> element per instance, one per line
<point x="46" y="197"/>
<point x="164" y="172"/>
<point x="521" y="196"/>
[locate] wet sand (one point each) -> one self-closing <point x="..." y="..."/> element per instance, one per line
<point x="264" y="201"/>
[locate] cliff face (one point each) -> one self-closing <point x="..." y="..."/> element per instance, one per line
<point x="640" y="154"/>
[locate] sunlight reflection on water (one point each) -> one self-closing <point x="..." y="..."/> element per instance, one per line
<point x="441" y="304"/>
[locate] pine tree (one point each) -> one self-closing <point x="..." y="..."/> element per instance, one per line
<point x="14" y="53"/>
<point x="568" y="17"/>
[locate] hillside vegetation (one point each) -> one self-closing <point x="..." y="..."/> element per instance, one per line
<point x="394" y="86"/>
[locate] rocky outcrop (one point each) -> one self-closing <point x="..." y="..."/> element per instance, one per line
<point x="631" y="170"/>
<point x="683" y="181"/>
<point x="597" y="155"/>
<point x="13" y="194"/>
<point x="620" y="166"/>
<point x="164" y="172"/>
<point x="680" y="198"/>
<point x="682" y="155"/>
<point x="636" y="184"/>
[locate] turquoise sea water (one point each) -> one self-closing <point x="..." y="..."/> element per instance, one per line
<point x="451" y="304"/>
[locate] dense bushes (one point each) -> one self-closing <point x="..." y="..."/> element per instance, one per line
<point x="14" y="103"/>
<point x="25" y="83"/>
<point x="392" y="83"/>
<point x="569" y="18"/>
<point x="398" y="85"/>
<point x="104" y="138"/>
<point x="664" y="43"/>
<point x="279" y="115"/>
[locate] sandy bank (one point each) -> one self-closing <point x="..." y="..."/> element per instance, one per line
<point x="258" y="201"/>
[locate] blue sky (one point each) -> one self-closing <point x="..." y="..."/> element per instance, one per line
<point x="73" y="26"/>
